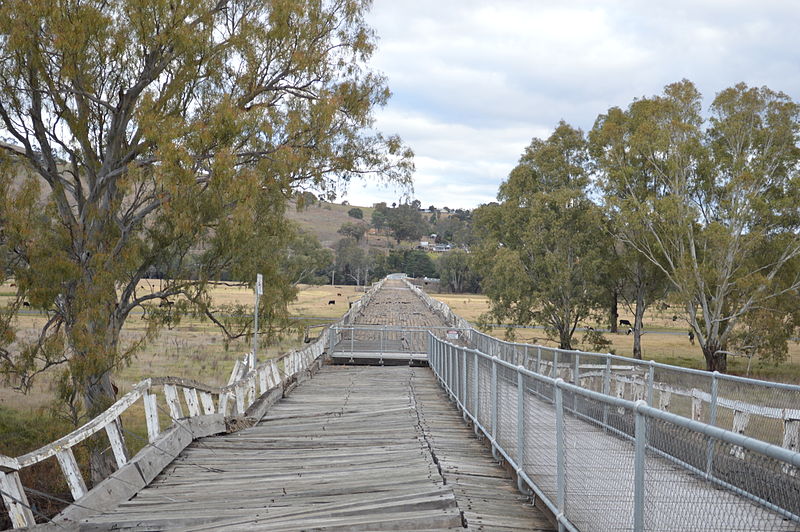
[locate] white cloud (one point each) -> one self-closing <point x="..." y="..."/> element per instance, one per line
<point x="474" y="81"/>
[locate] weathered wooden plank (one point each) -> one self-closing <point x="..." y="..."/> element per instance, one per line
<point x="66" y="459"/>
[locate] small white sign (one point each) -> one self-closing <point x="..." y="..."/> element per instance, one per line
<point x="259" y="284"/>
<point x="452" y="335"/>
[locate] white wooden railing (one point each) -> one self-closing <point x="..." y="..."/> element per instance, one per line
<point x="249" y="392"/>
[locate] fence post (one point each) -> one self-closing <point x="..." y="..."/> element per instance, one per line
<point x="494" y="407"/>
<point x="712" y="420"/>
<point x="650" y="376"/>
<point x="576" y="371"/>
<point x="475" y="397"/>
<point x="525" y="360"/>
<point x="554" y="373"/>
<point x="520" y="428"/>
<point x="561" y="488"/>
<point x="640" y="432"/>
<point x="14" y="497"/>
<point x="463" y="383"/>
<point x="383" y="333"/>
<point x="606" y="390"/>
<point x="538" y="359"/>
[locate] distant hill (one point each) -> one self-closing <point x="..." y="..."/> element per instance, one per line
<point x="324" y="220"/>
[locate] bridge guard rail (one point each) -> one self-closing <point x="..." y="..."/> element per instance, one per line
<point x="600" y="462"/>
<point x="207" y="408"/>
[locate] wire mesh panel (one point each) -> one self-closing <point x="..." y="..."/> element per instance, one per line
<point x="507" y="409"/>
<point x="604" y="462"/>
<point x="540" y="435"/>
<point x="703" y="503"/>
<point x="599" y="469"/>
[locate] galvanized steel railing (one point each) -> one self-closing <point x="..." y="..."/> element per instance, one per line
<point x="600" y="462"/>
<point x="768" y="411"/>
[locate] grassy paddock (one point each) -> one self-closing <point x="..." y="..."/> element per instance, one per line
<point x="194" y="349"/>
<point x="667" y="348"/>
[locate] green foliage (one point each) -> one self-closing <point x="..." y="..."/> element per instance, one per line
<point x="353" y="230"/>
<point x="406" y="222"/>
<point x="356" y="213"/>
<point x="353" y="264"/>
<point x="306" y="259"/>
<point x="455" y="272"/>
<point x="167" y="137"/>
<point x="543" y="246"/>
<point x="380" y="216"/>
<point x="714" y="203"/>
<point x="414" y="262"/>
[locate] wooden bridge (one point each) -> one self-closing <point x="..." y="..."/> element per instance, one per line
<point x="382" y="447"/>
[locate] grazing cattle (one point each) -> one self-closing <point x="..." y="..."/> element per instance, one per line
<point x="691" y="336"/>
<point x="339" y="294"/>
<point x="629" y="331"/>
<point x="674" y="318"/>
<point x="26" y="304"/>
<point x="625" y="322"/>
<point x="351" y="304"/>
<point x="13" y="285"/>
<point x="332" y="302"/>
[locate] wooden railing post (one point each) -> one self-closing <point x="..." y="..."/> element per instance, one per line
<point x="13" y="494"/>
<point x="117" y="442"/>
<point x="192" y="401"/>
<point x="171" y="393"/>
<point x="71" y="472"/>
<point x="151" y="416"/>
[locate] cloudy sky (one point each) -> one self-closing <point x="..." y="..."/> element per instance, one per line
<point x="474" y="81"/>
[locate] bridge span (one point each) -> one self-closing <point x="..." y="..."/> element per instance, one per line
<point x="393" y="446"/>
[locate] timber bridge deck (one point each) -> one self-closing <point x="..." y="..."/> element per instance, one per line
<point x="393" y="445"/>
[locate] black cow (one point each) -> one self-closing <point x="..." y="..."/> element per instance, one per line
<point x="332" y="302"/>
<point x="26" y="304"/>
<point x="339" y="294"/>
<point x="625" y="322"/>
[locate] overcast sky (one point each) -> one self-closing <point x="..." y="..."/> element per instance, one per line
<point x="474" y="81"/>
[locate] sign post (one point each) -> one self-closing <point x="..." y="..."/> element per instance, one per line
<point x="259" y="291"/>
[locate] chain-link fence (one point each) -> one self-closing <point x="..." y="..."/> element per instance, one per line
<point x="601" y="461"/>
<point x="768" y="411"/>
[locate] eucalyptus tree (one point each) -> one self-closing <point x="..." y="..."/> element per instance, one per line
<point x="168" y="135"/>
<point x="713" y="203"/>
<point x="622" y="172"/>
<point x="542" y="246"/>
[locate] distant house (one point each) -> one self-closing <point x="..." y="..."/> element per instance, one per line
<point x="424" y="244"/>
<point x="441" y="248"/>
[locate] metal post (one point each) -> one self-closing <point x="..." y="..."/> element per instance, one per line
<point x="554" y="373"/>
<point x="463" y="383"/>
<point x="606" y="390"/>
<point x="520" y="428"/>
<point x="576" y="370"/>
<point x="640" y="430"/>
<point x="383" y="332"/>
<point x="494" y="407"/>
<point x="561" y="487"/>
<point x="259" y="290"/>
<point x="475" y="397"/>
<point x="576" y="379"/>
<point x="538" y="359"/>
<point x="712" y="420"/>
<point x="650" y="377"/>
<point x="525" y="360"/>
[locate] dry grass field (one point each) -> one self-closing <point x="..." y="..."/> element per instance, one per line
<point x="664" y="340"/>
<point x="194" y="349"/>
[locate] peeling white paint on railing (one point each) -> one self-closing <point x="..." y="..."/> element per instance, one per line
<point x="245" y="388"/>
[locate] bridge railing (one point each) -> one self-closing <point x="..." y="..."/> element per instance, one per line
<point x="354" y="341"/>
<point x="769" y="411"/>
<point x="601" y="462"/>
<point x="205" y="413"/>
